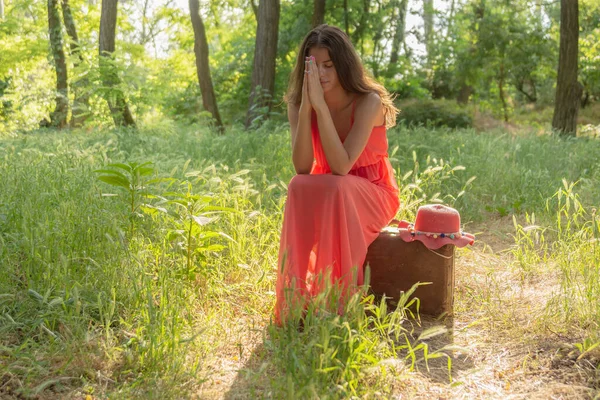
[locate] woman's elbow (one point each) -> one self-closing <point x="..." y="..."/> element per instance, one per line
<point x="340" y="171"/>
<point x="302" y="166"/>
<point x="302" y="171"/>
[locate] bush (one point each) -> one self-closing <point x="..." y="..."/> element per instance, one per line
<point x="434" y="113"/>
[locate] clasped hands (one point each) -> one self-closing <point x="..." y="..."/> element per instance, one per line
<point x="312" y="92"/>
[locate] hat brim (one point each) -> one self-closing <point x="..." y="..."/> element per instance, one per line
<point x="431" y="243"/>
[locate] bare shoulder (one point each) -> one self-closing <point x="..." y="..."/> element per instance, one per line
<point x="370" y="101"/>
<point x="370" y="104"/>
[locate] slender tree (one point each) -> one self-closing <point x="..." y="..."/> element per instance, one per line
<point x="361" y="28"/>
<point x="378" y="52"/>
<point x="568" y="89"/>
<point x="115" y="98"/>
<point x="501" y="76"/>
<point x="71" y="30"/>
<point x="59" y="116"/>
<point x="318" y="13"/>
<point x="81" y="102"/>
<point x="265" y="53"/>
<point x="450" y="19"/>
<point x="428" y="29"/>
<point x="1" y="9"/>
<point x="468" y="66"/>
<point x="209" y="100"/>
<point x="399" y="32"/>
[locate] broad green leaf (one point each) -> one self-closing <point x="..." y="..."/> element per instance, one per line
<point x="122" y="166"/>
<point x="115" y="181"/>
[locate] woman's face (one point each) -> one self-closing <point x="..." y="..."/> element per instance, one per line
<point x="327" y="73"/>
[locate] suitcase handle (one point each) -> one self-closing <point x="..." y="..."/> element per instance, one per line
<point x="438" y="254"/>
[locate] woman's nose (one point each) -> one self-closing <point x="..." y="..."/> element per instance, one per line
<point x="321" y="70"/>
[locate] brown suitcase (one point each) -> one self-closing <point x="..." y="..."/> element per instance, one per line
<point x="397" y="265"/>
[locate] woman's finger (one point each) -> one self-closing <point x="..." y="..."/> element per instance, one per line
<point x="305" y="84"/>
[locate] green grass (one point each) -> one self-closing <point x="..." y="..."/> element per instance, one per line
<point x="104" y="298"/>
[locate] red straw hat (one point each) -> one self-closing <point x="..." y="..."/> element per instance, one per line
<point x="435" y="225"/>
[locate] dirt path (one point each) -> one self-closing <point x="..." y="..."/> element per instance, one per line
<point x="509" y="352"/>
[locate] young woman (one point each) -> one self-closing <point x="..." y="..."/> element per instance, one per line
<point x="344" y="192"/>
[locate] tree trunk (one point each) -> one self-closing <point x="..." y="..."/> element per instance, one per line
<point x="357" y="36"/>
<point x="450" y="19"/>
<point x="377" y="35"/>
<point x="428" y="29"/>
<point x="585" y="101"/>
<point x="71" y="30"/>
<point x="520" y="86"/>
<point x="1" y="9"/>
<point x="116" y="100"/>
<point x="568" y="89"/>
<point x="144" y="36"/>
<point x="501" y="90"/>
<point x="265" y="53"/>
<point x="398" y="39"/>
<point x="318" y="13"/>
<point x="209" y="100"/>
<point x="58" y="117"/>
<point x="81" y="103"/>
<point x="464" y="94"/>
<point x="465" y="88"/>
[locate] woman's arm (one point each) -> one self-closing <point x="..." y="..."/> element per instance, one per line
<point x="302" y="148"/>
<point x="342" y="156"/>
<point x="300" y="119"/>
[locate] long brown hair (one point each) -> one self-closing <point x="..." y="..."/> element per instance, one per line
<point x="350" y="71"/>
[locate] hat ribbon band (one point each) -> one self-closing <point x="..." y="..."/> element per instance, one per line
<point x="435" y="235"/>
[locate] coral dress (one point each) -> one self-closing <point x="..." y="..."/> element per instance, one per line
<point x="330" y="221"/>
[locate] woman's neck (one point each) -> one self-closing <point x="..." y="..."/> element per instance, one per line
<point x="337" y="100"/>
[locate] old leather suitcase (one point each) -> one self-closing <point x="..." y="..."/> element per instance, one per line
<point x="397" y="265"/>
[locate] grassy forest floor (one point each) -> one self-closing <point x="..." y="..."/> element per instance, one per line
<point x="166" y="290"/>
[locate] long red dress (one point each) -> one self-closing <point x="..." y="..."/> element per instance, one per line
<point x="330" y="220"/>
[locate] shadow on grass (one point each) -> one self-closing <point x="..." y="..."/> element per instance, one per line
<point x="253" y="380"/>
<point x="438" y="369"/>
<point x="260" y="378"/>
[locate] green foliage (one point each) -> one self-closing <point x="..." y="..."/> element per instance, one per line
<point x="493" y="44"/>
<point x="434" y="113"/>
<point x="190" y="217"/>
<point x="405" y="81"/>
<point x="482" y="47"/>
<point x="589" y="61"/>
<point x="133" y="178"/>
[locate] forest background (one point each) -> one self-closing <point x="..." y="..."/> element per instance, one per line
<point x="500" y="58"/>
